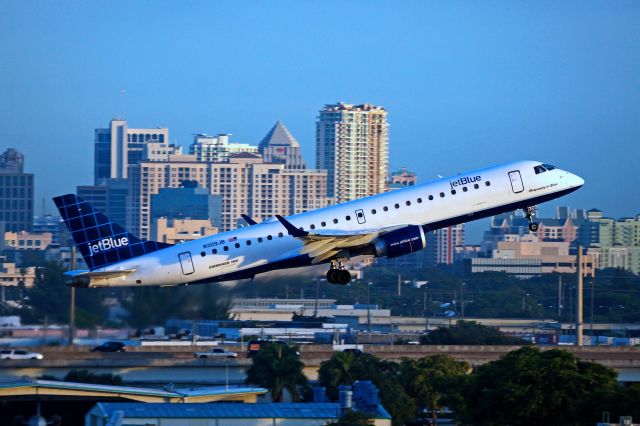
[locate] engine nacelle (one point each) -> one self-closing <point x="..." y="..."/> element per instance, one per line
<point x="400" y="242"/>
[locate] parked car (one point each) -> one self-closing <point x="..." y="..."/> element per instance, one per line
<point x="216" y="353"/>
<point x="110" y="347"/>
<point x="19" y="354"/>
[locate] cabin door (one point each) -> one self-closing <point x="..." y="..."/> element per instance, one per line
<point x="360" y="216"/>
<point x="186" y="263"/>
<point x="516" y="181"/>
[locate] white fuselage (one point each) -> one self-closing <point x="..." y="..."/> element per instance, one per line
<point x="268" y="245"/>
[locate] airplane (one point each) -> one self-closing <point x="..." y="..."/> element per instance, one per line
<point x="390" y="224"/>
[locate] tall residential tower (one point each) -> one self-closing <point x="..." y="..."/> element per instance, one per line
<point x="352" y="145"/>
<point x="16" y="192"/>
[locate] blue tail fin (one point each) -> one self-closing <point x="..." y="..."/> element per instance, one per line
<point x="100" y="241"/>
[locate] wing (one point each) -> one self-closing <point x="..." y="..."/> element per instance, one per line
<point x="324" y="245"/>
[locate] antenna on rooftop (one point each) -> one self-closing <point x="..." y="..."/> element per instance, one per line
<point x="123" y="99"/>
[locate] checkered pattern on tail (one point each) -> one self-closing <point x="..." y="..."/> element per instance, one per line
<point x="100" y="241"/>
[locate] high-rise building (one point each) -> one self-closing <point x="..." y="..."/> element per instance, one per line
<point x="352" y="145"/>
<point x="246" y="184"/>
<point x="189" y="201"/>
<point x="109" y="196"/>
<point x="118" y="146"/>
<point x="216" y="149"/>
<point x="279" y="146"/>
<point x="441" y="245"/>
<point x="16" y="192"/>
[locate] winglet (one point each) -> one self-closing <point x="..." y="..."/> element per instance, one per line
<point x="292" y="230"/>
<point x="247" y="219"/>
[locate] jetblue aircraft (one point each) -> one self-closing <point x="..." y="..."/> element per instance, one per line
<point x="390" y="224"/>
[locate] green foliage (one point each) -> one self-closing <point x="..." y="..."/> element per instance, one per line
<point x="530" y="387"/>
<point x="434" y="381"/>
<point x="469" y="333"/>
<point x="306" y="318"/>
<point x="344" y="368"/>
<point x="149" y="306"/>
<point x="277" y="367"/>
<point x="84" y="376"/>
<point x="352" y="418"/>
<point x="48" y="300"/>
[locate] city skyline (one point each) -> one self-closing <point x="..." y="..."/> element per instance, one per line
<point x="465" y="85"/>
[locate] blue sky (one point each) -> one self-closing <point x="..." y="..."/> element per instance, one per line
<point x="466" y="84"/>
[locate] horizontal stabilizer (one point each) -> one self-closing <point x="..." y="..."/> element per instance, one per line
<point x="85" y="278"/>
<point x="83" y="273"/>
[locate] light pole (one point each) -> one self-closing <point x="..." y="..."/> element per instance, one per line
<point x="462" y="301"/>
<point x="369" y="284"/>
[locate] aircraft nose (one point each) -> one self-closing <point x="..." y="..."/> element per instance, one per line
<point x="576" y="181"/>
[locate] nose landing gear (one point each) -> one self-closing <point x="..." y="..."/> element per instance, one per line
<point x="529" y="213"/>
<point x="337" y="274"/>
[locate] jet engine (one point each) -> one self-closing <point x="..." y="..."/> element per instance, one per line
<point x="400" y="242"/>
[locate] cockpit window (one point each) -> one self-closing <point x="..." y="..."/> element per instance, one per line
<point x="539" y="169"/>
<point x="549" y="166"/>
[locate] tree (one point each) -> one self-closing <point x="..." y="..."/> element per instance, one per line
<point x="277" y="367"/>
<point x="469" y="333"/>
<point x="434" y="381"/>
<point x="345" y="368"/>
<point x="530" y="387"/>
<point x="84" y="376"/>
<point x="352" y="418"/>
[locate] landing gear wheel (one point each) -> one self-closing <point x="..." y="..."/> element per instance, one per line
<point x="337" y="274"/>
<point x="332" y="276"/>
<point x="343" y="276"/>
<point x="529" y="213"/>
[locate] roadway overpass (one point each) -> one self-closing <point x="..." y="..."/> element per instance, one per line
<point x="171" y="364"/>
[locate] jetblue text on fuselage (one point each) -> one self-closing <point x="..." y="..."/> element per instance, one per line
<point x="464" y="181"/>
<point x="108" y="244"/>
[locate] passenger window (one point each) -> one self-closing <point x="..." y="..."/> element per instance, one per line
<point x="269" y="237"/>
<point x="360" y="214"/>
<point x="397" y="206"/>
<point x="476" y="186"/>
<point x="464" y="189"/>
<point x="259" y="239"/>
<point x="373" y="211"/>
<point x="203" y="254"/>
<point x="335" y="220"/>
<point x="430" y="197"/>
<point x="419" y="200"/>
<point x="248" y="242"/>
<point x="214" y="251"/>
<point x="487" y="183"/>
<point x="280" y="234"/>
<point x="453" y="192"/>
<point x="323" y="224"/>
<point x="442" y="195"/>
<point x="408" y="203"/>
<point x="237" y="245"/>
<point x="348" y="217"/>
<point x="312" y="226"/>
<point x="226" y="248"/>
<point x="385" y="208"/>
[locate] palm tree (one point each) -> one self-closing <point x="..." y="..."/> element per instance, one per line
<point x="277" y="367"/>
<point x="339" y="369"/>
<point x="431" y="380"/>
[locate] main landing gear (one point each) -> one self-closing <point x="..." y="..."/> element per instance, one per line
<point x="529" y="213"/>
<point x="337" y="274"/>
